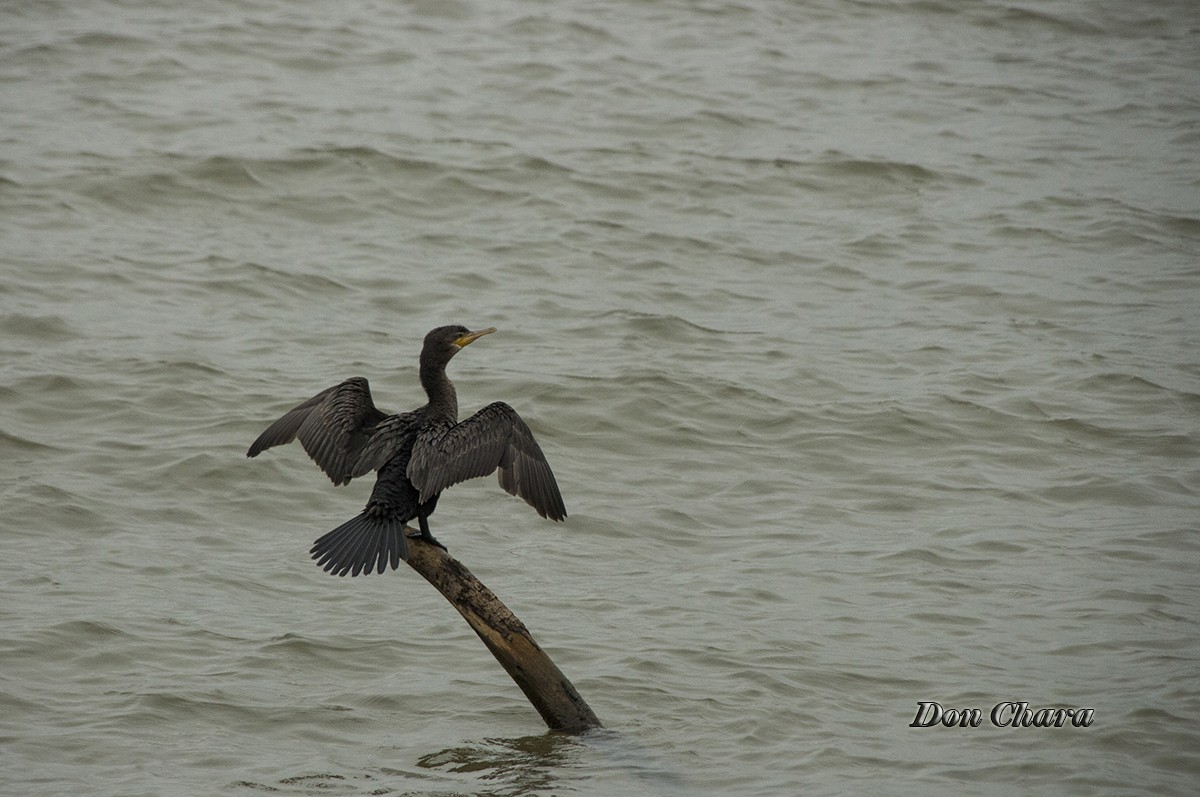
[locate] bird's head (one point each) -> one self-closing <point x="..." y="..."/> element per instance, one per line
<point x="444" y="342"/>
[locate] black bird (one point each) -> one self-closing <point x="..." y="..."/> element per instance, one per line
<point x="418" y="454"/>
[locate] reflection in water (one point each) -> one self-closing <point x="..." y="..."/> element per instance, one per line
<point x="525" y="765"/>
<point x="538" y="764"/>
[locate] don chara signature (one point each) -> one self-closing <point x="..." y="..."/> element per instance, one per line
<point x="1006" y="714"/>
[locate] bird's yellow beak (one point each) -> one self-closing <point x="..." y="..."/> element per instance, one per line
<point x="471" y="336"/>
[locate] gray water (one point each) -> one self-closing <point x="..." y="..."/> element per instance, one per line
<point x="862" y="338"/>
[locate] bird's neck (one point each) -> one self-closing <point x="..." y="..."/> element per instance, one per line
<point x="443" y="401"/>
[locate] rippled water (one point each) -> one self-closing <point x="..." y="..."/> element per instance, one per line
<point x="862" y="338"/>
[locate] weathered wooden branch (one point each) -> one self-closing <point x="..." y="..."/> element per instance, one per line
<point x="506" y="637"/>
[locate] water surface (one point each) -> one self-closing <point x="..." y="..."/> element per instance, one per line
<point x="861" y="337"/>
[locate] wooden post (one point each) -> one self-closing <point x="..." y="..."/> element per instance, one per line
<point x="506" y="637"/>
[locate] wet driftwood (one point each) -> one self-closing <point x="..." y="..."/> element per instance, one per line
<point x="506" y="637"/>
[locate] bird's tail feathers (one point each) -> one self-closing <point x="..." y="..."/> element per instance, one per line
<point x="366" y="543"/>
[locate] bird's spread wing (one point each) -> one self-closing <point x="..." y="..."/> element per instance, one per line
<point x="333" y="426"/>
<point x="493" y="438"/>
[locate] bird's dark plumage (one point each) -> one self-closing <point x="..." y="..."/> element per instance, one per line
<point x="418" y="455"/>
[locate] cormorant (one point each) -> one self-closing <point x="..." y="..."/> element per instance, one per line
<point x="418" y="454"/>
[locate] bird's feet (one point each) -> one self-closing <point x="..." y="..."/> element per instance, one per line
<point x="413" y="534"/>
